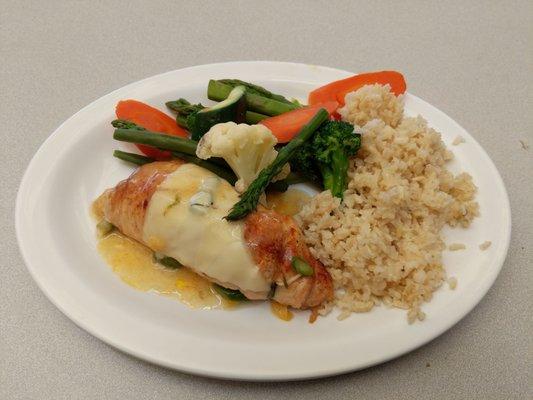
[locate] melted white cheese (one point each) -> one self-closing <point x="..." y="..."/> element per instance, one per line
<point x="204" y="241"/>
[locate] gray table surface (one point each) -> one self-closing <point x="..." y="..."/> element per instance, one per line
<point x="471" y="59"/>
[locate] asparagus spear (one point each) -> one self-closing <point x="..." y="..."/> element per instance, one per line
<point x="218" y="91"/>
<point x="229" y="175"/>
<point x="250" y="197"/>
<point x="124" y="124"/>
<point x="154" y="139"/>
<point x="186" y="152"/>
<point x="253" y="118"/>
<point x="224" y="173"/>
<point x="186" y="146"/>
<point x="132" y="157"/>
<point x="255" y="89"/>
<point x="183" y="109"/>
<point x="138" y="159"/>
<point x="182" y="106"/>
<point x="229" y="294"/>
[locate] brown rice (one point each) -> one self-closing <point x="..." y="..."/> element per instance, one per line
<point x="372" y="102"/>
<point x="382" y="244"/>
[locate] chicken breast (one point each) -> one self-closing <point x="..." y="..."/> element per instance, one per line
<point x="274" y="240"/>
<point x="178" y="209"/>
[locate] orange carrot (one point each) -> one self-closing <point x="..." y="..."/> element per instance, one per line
<point x="151" y="119"/>
<point x="337" y="90"/>
<point x="285" y="126"/>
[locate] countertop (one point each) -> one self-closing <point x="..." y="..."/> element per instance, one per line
<point x="472" y="59"/>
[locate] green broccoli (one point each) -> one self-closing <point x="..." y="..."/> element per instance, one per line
<point x="304" y="163"/>
<point x="325" y="159"/>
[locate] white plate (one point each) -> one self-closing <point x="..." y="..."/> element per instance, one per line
<point x="57" y="240"/>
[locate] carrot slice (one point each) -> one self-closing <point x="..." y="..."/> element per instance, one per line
<point x="337" y="90"/>
<point x="151" y="119"/>
<point x="285" y="126"/>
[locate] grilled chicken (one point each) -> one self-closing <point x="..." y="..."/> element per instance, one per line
<point x="177" y="209"/>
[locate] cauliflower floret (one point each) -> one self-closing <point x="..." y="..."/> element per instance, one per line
<point x="246" y="148"/>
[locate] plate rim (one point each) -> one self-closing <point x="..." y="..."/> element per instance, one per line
<point x="251" y="376"/>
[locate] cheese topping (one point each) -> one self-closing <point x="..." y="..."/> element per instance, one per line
<point x="185" y="217"/>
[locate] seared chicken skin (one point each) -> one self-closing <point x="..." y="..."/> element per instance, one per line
<point x="271" y="239"/>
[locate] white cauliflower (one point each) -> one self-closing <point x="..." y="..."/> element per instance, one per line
<point x="246" y="148"/>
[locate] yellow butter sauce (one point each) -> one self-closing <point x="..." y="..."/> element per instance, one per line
<point x="134" y="264"/>
<point x="281" y="311"/>
<point x="289" y="202"/>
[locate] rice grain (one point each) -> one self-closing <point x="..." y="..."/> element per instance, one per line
<point x="456" y="247"/>
<point x="485" y="245"/>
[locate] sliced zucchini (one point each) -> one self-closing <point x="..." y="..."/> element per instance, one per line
<point x="231" y="109"/>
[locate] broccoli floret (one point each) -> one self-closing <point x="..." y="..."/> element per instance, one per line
<point x="334" y="144"/>
<point x="305" y="164"/>
<point x="326" y="157"/>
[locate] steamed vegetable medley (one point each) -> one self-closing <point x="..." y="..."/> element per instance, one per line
<point x="253" y="138"/>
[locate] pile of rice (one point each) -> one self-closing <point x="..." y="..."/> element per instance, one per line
<point x="371" y="102"/>
<point x="382" y="244"/>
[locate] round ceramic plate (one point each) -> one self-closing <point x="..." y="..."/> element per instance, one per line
<point x="57" y="239"/>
